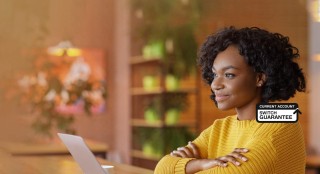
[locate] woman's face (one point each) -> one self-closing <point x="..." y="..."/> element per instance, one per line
<point x="235" y="84"/>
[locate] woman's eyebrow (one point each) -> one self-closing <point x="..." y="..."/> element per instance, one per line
<point x="226" y="68"/>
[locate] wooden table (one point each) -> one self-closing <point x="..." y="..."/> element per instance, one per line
<point x="313" y="162"/>
<point x="58" y="164"/>
<point x="53" y="148"/>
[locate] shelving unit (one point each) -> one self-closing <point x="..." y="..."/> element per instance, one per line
<point x="141" y="97"/>
<point x="161" y="124"/>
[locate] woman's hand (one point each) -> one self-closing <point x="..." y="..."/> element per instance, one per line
<point x="190" y="151"/>
<point x="234" y="157"/>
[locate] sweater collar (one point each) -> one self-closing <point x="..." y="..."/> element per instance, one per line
<point x="244" y="123"/>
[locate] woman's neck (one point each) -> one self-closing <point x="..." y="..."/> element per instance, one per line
<point x="246" y="115"/>
<point x="248" y="112"/>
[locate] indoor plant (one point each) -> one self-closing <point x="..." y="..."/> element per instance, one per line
<point x="169" y="105"/>
<point x="57" y="92"/>
<point x="169" y="25"/>
<point x="157" y="142"/>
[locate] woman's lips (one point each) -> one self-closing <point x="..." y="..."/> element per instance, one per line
<point x="220" y="98"/>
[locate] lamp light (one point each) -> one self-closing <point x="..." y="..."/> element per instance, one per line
<point x="64" y="48"/>
<point x="315" y="10"/>
<point x="316" y="57"/>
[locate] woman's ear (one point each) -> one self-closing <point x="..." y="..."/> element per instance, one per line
<point x="261" y="79"/>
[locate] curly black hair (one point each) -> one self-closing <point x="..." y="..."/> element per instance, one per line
<point x="266" y="52"/>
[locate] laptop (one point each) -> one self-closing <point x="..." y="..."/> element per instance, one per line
<point x="82" y="154"/>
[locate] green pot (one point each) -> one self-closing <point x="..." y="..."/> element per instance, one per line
<point x="152" y="149"/>
<point x="172" y="116"/>
<point x="149" y="82"/>
<point x="153" y="50"/>
<point x="147" y="52"/>
<point x="172" y="82"/>
<point x="151" y="115"/>
<point x="157" y="49"/>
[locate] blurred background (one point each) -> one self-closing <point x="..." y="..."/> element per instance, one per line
<point x="123" y="72"/>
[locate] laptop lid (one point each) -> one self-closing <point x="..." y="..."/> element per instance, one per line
<point x="82" y="154"/>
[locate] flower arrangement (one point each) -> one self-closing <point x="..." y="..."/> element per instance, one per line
<point x="58" y="89"/>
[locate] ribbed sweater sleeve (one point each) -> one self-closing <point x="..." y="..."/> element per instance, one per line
<point x="169" y="164"/>
<point x="261" y="158"/>
<point x="274" y="148"/>
<point x="202" y="141"/>
<point x="290" y="149"/>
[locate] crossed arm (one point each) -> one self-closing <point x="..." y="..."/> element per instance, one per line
<point x="198" y="164"/>
<point x="258" y="157"/>
<point x="280" y="152"/>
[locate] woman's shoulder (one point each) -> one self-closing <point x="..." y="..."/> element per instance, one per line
<point x="289" y="128"/>
<point x="280" y="127"/>
<point x="275" y="129"/>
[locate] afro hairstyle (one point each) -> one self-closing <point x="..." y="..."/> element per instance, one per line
<point x="266" y="52"/>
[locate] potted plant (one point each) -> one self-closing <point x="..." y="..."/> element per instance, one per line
<point x="170" y="105"/>
<point x="56" y="100"/>
<point x="167" y="28"/>
<point x="156" y="142"/>
<point x="150" y="141"/>
<point x="152" y="111"/>
<point x="176" y="137"/>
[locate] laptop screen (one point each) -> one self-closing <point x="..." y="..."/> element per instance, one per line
<point x="82" y="154"/>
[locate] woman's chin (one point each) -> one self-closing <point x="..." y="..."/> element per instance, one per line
<point x="223" y="106"/>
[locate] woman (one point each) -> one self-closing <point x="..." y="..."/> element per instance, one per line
<point x="245" y="67"/>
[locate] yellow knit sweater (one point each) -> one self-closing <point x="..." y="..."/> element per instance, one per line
<point x="274" y="148"/>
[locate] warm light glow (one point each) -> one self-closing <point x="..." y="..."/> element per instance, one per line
<point x="64" y="48"/>
<point x="316" y="57"/>
<point x="315" y="10"/>
<point x="73" y="52"/>
<point x="56" y="51"/>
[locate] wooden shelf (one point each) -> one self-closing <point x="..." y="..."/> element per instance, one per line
<point x="161" y="124"/>
<point x="141" y="155"/>
<point x="138" y="60"/>
<point x="158" y="90"/>
<point x="141" y="97"/>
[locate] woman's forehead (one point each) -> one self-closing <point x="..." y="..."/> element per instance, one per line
<point x="230" y="58"/>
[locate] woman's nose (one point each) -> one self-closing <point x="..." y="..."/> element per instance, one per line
<point x="217" y="83"/>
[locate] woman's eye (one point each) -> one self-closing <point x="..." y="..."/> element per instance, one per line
<point x="229" y="75"/>
<point x="214" y="75"/>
